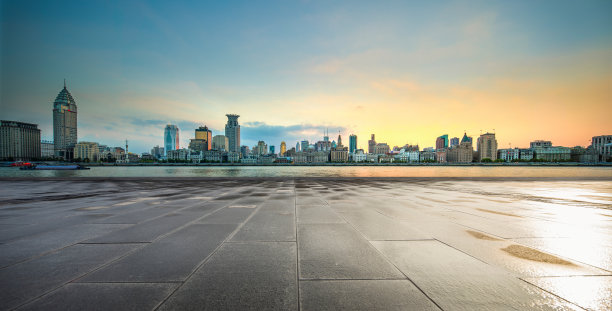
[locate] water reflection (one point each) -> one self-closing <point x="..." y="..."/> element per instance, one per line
<point x="318" y="171"/>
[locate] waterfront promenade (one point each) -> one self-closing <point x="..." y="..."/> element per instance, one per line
<point x="305" y="243"/>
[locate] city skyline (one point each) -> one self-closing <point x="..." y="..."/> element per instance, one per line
<point x="408" y="73"/>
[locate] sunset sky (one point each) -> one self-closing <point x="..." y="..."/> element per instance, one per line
<point x="408" y="71"/>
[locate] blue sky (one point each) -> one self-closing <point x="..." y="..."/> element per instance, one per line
<point x="408" y="71"/>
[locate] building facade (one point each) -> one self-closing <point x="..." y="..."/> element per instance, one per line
<point x="442" y="142"/>
<point x="64" y="124"/>
<point x="157" y="152"/>
<point x="454" y="141"/>
<point x="339" y="153"/>
<point x="220" y="142"/>
<point x="171" y="138"/>
<point x="232" y="132"/>
<point x="19" y="141"/>
<point x="86" y="150"/>
<point x="462" y="153"/>
<point x="487" y="147"/>
<point x="283" y="148"/>
<point x="381" y="148"/>
<point x="509" y="154"/>
<point x="371" y="144"/>
<point x="203" y="133"/>
<point x="552" y="153"/>
<point x="602" y="146"/>
<point x="47" y="149"/>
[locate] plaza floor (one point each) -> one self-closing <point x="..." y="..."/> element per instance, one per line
<point x="305" y="244"/>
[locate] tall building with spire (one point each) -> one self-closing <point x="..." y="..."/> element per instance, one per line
<point x="64" y="124"/>
<point x="232" y="132"/>
<point x="171" y="138"/>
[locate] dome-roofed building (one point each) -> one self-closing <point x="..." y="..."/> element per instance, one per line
<point x="466" y="139"/>
<point x="64" y="124"/>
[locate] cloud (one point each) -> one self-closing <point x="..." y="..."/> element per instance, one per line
<point x="252" y="132"/>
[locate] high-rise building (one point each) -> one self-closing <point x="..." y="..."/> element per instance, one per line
<point x="304" y="145"/>
<point x="442" y="142"/>
<point x="352" y="143"/>
<point x="203" y="133"/>
<point x="232" y="132"/>
<point x="19" y="141"/>
<point x="220" y="143"/>
<point x="283" y="148"/>
<point x="454" y="141"/>
<point x="64" y="124"/>
<point x="487" y="147"/>
<point x="46" y="149"/>
<point x="171" y="138"/>
<point x="244" y="151"/>
<point x="262" y="148"/>
<point x="157" y="152"/>
<point x="371" y="144"/>
<point x="272" y="150"/>
<point x="297" y="147"/>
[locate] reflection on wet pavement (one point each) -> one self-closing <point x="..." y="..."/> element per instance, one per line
<point x="306" y="243"/>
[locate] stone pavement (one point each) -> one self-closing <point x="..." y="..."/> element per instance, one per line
<point x="309" y="244"/>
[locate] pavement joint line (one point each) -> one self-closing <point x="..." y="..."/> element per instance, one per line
<point x="207" y="258"/>
<point x="297" y="248"/>
<point x="353" y="279"/>
<point x="555" y="295"/>
<point x="390" y="262"/>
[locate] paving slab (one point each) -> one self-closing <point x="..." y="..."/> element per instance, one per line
<point x="104" y="296"/>
<point x="457" y="281"/>
<point x="589" y="292"/>
<point x="363" y="295"/>
<point x="239" y="276"/>
<point x="226" y="215"/>
<point x="22" y="249"/>
<point x="317" y="214"/>
<point x="147" y="231"/>
<point x="337" y="251"/>
<point x="376" y="226"/>
<point x="268" y="226"/>
<point x="28" y="280"/>
<point x="169" y="259"/>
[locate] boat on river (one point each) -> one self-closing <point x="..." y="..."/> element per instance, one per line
<point x="54" y="167"/>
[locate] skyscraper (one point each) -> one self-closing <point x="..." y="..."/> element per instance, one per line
<point x="220" y="143"/>
<point x="304" y="145"/>
<point x="371" y="145"/>
<point x="64" y="124"/>
<point x="352" y="143"/>
<point x="487" y="147"/>
<point x="283" y="148"/>
<point x="171" y="138"/>
<point x="442" y="142"/>
<point x="232" y="132"/>
<point x="454" y="141"/>
<point x="203" y="134"/>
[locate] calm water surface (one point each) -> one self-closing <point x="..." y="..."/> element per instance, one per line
<point x="318" y="171"/>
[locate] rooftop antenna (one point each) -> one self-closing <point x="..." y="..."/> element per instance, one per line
<point x="64" y="82"/>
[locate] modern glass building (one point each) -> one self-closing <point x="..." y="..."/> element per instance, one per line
<point x="352" y="143"/>
<point x="171" y="138"/>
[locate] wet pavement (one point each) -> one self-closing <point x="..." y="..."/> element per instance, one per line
<point x="305" y="243"/>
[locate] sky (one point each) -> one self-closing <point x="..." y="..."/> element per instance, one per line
<point x="407" y="71"/>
